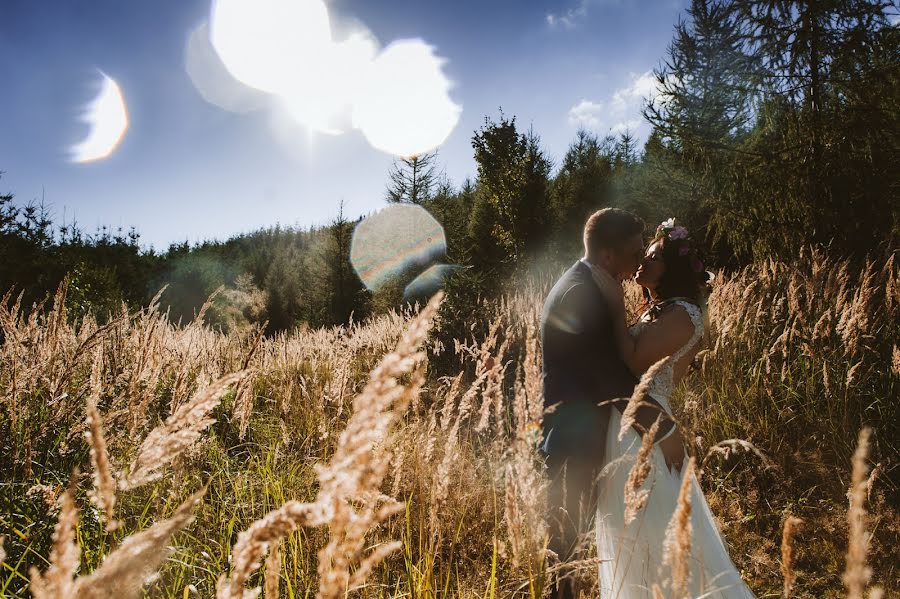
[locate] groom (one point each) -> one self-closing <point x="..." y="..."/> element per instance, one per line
<point x="583" y="375"/>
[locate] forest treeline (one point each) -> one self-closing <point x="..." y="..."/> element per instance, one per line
<point x="775" y="128"/>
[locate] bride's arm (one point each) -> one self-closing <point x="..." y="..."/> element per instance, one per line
<point x="654" y="341"/>
<point x="657" y="339"/>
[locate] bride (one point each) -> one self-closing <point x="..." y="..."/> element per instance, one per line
<point x="674" y="283"/>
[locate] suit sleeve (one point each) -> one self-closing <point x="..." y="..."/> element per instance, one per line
<point x="578" y="310"/>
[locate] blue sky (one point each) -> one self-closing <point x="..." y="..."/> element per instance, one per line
<point x="189" y="170"/>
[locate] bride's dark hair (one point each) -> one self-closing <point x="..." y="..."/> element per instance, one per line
<point x="679" y="277"/>
<point x="683" y="274"/>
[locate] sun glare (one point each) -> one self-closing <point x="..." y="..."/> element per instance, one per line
<point x="265" y="43"/>
<point x="398" y="97"/>
<point x="108" y="119"/>
<point x="323" y="98"/>
<point x="404" y="107"/>
<point x="214" y="82"/>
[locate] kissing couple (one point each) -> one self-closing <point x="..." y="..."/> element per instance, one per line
<point x="592" y="361"/>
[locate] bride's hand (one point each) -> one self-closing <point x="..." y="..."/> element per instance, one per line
<point x="672" y="448"/>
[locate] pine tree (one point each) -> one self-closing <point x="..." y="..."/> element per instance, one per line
<point x="512" y="203"/>
<point x="582" y="186"/>
<point x="412" y="179"/>
<point x="345" y="292"/>
<point x="705" y="87"/>
<point x="782" y="116"/>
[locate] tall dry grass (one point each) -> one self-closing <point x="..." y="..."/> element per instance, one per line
<point x="404" y="464"/>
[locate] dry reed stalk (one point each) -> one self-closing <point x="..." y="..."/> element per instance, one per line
<point x="637" y="397"/>
<point x="533" y="381"/>
<point x="492" y="395"/>
<point x="2" y="549"/>
<point x="851" y="374"/>
<point x="354" y="474"/>
<point x="870" y="481"/>
<point x="657" y="592"/>
<point x="58" y="581"/>
<point x="253" y="543"/>
<point x="791" y="524"/>
<point x="176" y="434"/>
<point x="635" y="496"/>
<point x="375" y="557"/>
<point x="124" y="571"/>
<point x="857" y="573"/>
<point x="730" y="447"/>
<point x="525" y="498"/>
<point x="361" y="460"/>
<point x="677" y="545"/>
<point x="104" y="492"/>
<point x="513" y="516"/>
<point x="486" y="369"/>
<point x="243" y="405"/>
<point x="895" y="361"/>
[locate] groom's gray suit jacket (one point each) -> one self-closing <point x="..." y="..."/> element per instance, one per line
<point x="581" y="366"/>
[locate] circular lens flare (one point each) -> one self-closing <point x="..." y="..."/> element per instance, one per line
<point x="400" y="239"/>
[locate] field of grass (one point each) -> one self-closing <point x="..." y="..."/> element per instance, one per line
<point x="396" y="457"/>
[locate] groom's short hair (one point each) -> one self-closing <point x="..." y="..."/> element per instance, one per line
<point x="610" y="228"/>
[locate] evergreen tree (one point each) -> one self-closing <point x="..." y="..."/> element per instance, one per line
<point x="511" y="204"/>
<point x="346" y="292"/>
<point x="412" y="179"/>
<point x="535" y="212"/>
<point x="453" y="209"/>
<point x="581" y="187"/>
<point x="704" y="91"/>
<point x="768" y="109"/>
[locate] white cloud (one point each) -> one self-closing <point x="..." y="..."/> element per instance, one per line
<point x="572" y="16"/>
<point x="622" y="111"/>
<point x="585" y="114"/>
<point x="569" y="19"/>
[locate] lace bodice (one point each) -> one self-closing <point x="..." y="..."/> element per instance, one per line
<point x="664" y="383"/>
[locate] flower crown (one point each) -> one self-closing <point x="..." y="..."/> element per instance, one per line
<point x="679" y="236"/>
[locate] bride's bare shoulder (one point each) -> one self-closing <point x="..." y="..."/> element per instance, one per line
<point x="663" y="336"/>
<point x="675" y="322"/>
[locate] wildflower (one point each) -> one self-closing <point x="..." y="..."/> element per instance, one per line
<point x="678" y="232"/>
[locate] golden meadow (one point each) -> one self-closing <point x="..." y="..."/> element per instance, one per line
<point x="396" y="457"/>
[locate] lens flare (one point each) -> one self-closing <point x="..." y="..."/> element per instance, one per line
<point x="429" y="282"/>
<point x="398" y="98"/>
<point x="212" y="79"/>
<point x="108" y="118"/>
<point x="404" y="107"/>
<point x="399" y="239"/>
<point x="263" y="42"/>
<point x="321" y="96"/>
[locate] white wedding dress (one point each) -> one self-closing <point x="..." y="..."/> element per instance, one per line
<point x="633" y="554"/>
